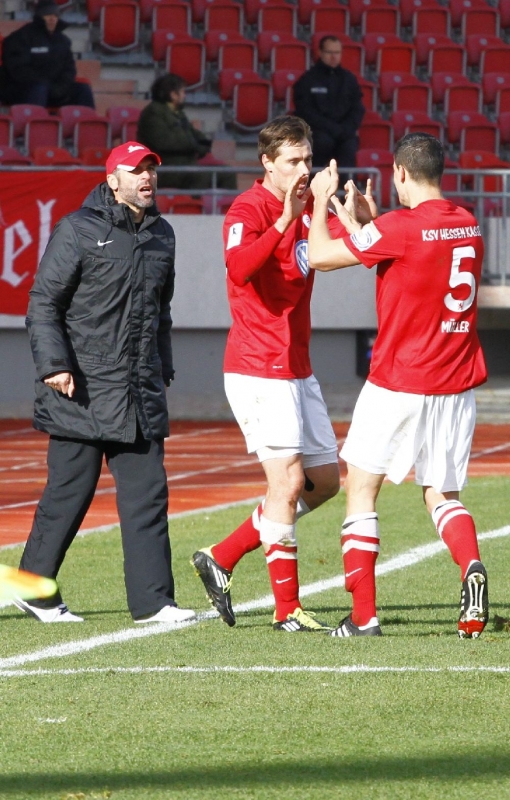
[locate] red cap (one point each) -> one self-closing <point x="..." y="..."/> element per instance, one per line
<point x="127" y="156"/>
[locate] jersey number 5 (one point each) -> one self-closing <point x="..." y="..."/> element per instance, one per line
<point x="457" y="278"/>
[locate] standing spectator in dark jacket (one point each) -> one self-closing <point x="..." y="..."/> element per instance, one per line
<point x="99" y="325"/>
<point x="329" y="98"/>
<point x="38" y="65"/>
<point x="165" y="128"/>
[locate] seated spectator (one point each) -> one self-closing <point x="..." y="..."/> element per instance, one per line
<point x="329" y="98"/>
<point x="38" y="64"/>
<point x="165" y="129"/>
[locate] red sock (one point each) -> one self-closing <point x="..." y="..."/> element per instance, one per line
<point x="283" y="572"/>
<point x="243" y="540"/>
<point x="456" y="527"/>
<point x="360" y="548"/>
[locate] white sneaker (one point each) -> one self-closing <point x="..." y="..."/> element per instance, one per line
<point x="169" y="614"/>
<point x="59" y="613"/>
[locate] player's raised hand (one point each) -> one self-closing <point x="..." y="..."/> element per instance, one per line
<point x="296" y="196"/>
<point x="346" y="218"/>
<point x="361" y="207"/>
<point x="325" y="182"/>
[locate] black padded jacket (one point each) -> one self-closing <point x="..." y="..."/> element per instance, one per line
<point x="100" y="309"/>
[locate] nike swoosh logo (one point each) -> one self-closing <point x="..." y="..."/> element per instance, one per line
<point x="284" y="580"/>
<point x="348" y="574"/>
<point x="102" y="244"/>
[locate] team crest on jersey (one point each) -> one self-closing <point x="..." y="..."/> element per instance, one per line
<point x="307" y="220"/>
<point x="302" y="257"/>
<point x="366" y="237"/>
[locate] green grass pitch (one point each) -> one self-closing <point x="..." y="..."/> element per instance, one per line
<point x="247" y="713"/>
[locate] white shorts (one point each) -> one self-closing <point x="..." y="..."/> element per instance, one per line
<point x="290" y="416"/>
<point x="392" y="431"/>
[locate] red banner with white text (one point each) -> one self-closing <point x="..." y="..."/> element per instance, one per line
<point x="31" y="203"/>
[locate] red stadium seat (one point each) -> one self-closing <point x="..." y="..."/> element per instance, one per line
<point x="331" y="19"/>
<point x="118" y="116"/>
<point x="70" y="115"/>
<point x="481" y="159"/>
<point x="412" y="97"/>
<point x="42" y="133"/>
<point x="481" y="21"/>
<point x="478" y="44"/>
<point x="91" y="133"/>
<point x="369" y="91"/>
<point x="305" y="8"/>
<point x="389" y="81"/>
<point x="375" y="132"/>
<point x="388" y="55"/>
<point x="441" y="81"/>
<point x="282" y="80"/>
<point x="408" y="7"/>
<point x="187" y="59"/>
<point x="252" y="105"/>
<point x="431" y="20"/>
<point x="504" y="13"/>
<point x="224" y="17"/>
<point x="503" y="127"/>
<point x="424" y="42"/>
<point x="459" y="7"/>
<point x="119" y="25"/>
<point x="380" y="20"/>
<point x="10" y="156"/>
<point x="357" y="7"/>
<point x="494" y="59"/>
<point x="472" y="131"/>
<point x="172" y="15"/>
<point x="446" y="58"/>
<point x="95" y="156"/>
<point x="228" y="78"/>
<point x="6" y="131"/>
<point x="463" y="97"/>
<point x="491" y="83"/>
<point x="198" y="7"/>
<point x="215" y="39"/>
<point x="383" y="161"/>
<point x="281" y="18"/>
<point x="502" y="101"/>
<point x="252" y="8"/>
<point x="298" y="50"/>
<point x="238" y="55"/>
<point x="49" y="156"/>
<point x="21" y="113"/>
<point x="414" y="121"/>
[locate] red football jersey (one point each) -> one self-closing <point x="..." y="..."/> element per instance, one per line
<point x="270" y="331"/>
<point x="429" y="261"/>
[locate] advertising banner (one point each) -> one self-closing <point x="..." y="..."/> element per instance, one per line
<point x="31" y="203"/>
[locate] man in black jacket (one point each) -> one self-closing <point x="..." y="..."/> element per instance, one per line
<point x="99" y="326"/>
<point x="38" y="65"/>
<point x="329" y="98"/>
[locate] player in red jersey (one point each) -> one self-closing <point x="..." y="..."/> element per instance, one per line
<point x="417" y="406"/>
<point x="268" y="377"/>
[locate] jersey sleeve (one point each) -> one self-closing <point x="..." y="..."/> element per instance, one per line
<point x="380" y="240"/>
<point x="248" y="242"/>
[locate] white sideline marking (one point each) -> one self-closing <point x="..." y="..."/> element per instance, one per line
<point x="409" y="558"/>
<point x="347" y="669"/>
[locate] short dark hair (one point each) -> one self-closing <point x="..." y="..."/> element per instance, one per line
<point x="422" y="155"/>
<point x="328" y="38"/>
<point x="287" y="129"/>
<point x="163" y="87"/>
